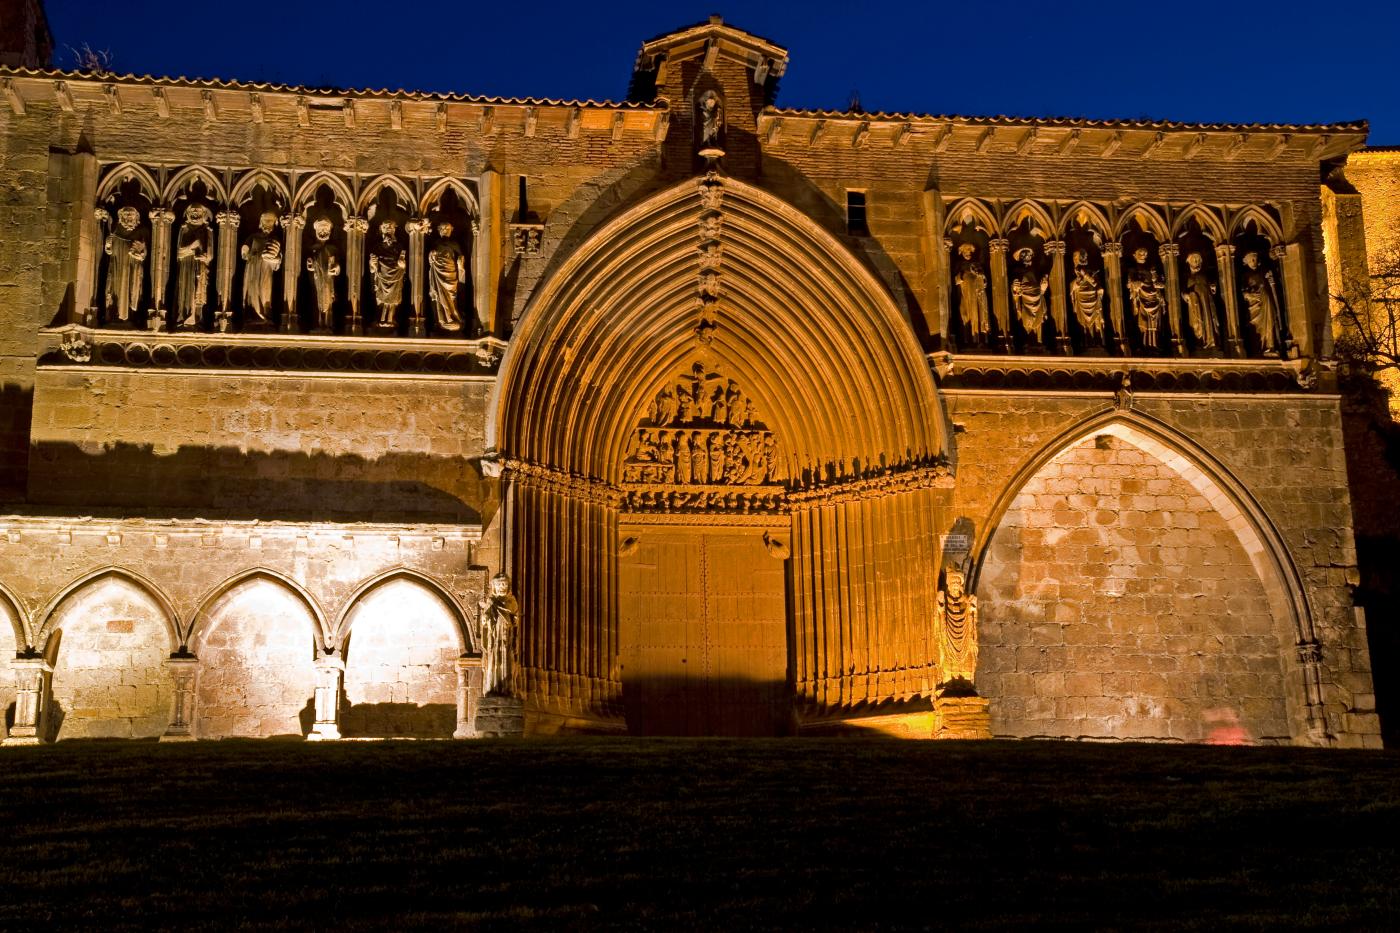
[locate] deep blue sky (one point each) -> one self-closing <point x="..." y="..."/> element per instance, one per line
<point x="1284" y="61"/>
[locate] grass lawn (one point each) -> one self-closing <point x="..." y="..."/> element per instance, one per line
<point x="714" y="834"/>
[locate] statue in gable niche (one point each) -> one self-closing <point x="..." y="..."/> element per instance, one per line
<point x="447" y="268"/>
<point x="710" y="116"/>
<point x="1086" y="296"/>
<point x="194" y="251"/>
<point x="497" y="631"/>
<point x="1028" y="292"/>
<point x="262" y="256"/>
<point x="956" y="614"/>
<point x="1199" y="297"/>
<point x="971" y="280"/>
<point x="1261" y="300"/>
<point x="387" y="263"/>
<point x="126" y="247"/>
<point x="1145" y="292"/>
<point x="323" y="262"/>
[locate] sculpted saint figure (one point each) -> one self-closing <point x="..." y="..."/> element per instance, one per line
<point x="684" y="454"/>
<point x="194" y="250"/>
<point x="716" y="459"/>
<point x="1028" y="294"/>
<point x="262" y="255"/>
<point x="711" y="114"/>
<point x="127" y="246"/>
<point x="972" y="292"/>
<point x="956" y="614"/>
<point x="1261" y="299"/>
<point x="1199" y="296"/>
<point x="700" y="463"/>
<point x="323" y="262"/>
<point x="1145" y="293"/>
<point x="1086" y="296"/>
<point x="665" y="407"/>
<point x="387" y="263"/>
<point x="497" y="628"/>
<point x="447" y="268"/>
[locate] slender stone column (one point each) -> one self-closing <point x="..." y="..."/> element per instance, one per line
<point x="939" y="310"/>
<point x="1310" y="660"/>
<point x="184" y="674"/>
<point x="330" y="668"/>
<point x="417" y="229"/>
<point x="486" y="248"/>
<point x="32" y="676"/>
<point x="468" y="695"/>
<point x="1225" y="264"/>
<point x="1298" y="332"/>
<point x="228" y="253"/>
<point x="1059" y="308"/>
<point x="1113" y="281"/>
<point x="1169" y="253"/>
<point x="88" y="301"/>
<point x="1001" y="290"/>
<point x="292" y="271"/>
<point x="161" y="220"/>
<point x="355" y="230"/>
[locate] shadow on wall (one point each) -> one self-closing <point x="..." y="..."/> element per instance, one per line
<point x="16" y="415"/>
<point x="731" y="706"/>
<point x="133" y="480"/>
<point x="398" y="720"/>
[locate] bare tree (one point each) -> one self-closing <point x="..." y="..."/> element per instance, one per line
<point x="1367" y="320"/>
<point x="91" y="61"/>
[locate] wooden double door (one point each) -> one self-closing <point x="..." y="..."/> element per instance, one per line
<point x="703" y="632"/>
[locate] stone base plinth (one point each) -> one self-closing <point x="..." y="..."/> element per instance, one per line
<point x="500" y="717"/>
<point x="14" y="740"/>
<point x="176" y="737"/>
<point x="961" y="717"/>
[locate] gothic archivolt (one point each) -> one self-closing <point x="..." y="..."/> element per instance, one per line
<point x="1137" y="280"/>
<point x="199" y="249"/>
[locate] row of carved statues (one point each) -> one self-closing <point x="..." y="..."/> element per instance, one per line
<point x="712" y="457"/>
<point x="127" y="250"/>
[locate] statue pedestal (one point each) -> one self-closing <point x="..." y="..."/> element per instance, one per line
<point x="961" y="717"/>
<point x="499" y="717"/>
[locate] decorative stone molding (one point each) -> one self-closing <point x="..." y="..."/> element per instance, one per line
<point x="1106" y="374"/>
<point x="527" y="239"/>
<point x="874" y="485"/>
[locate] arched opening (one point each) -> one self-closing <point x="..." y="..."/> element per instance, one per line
<point x="823" y="564"/>
<point x="11" y="642"/>
<point x="1124" y="594"/>
<point x="402" y="640"/>
<point x="108" y="637"/>
<point x="256" y="640"/>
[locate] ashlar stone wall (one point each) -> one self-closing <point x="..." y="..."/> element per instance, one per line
<point x="1117" y="603"/>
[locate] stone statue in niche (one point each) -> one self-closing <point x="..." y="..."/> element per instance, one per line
<point x="447" y="268"/>
<point x="1145" y="292"/>
<point x="710" y="118"/>
<point x="1261" y="300"/>
<point x="387" y="263"/>
<point x="972" y="293"/>
<point x="127" y="246"/>
<point x="956" y="614"/>
<point x="262" y="256"/>
<point x="1028" y="293"/>
<point x="685" y="456"/>
<point x="194" y="251"/>
<point x="1086" y="297"/>
<point x="323" y="262"/>
<point x="1199" y="296"/>
<point x="497" y="631"/>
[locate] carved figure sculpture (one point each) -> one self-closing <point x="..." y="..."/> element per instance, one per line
<point x="1199" y="296"/>
<point x="1028" y="294"/>
<point x="126" y="246"/>
<point x="700" y="463"/>
<point x="323" y="262"/>
<point x="1261" y="299"/>
<point x="972" y="292"/>
<point x="710" y="114"/>
<point x="684" y="454"/>
<point x="387" y="264"/>
<point x="194" y="250"/>
<point x="262" y="255"/>
<point x="447" y="268"/>
<point x="1086" y="297"/>
<point x="497" y="628"/>
<point x="956" y="614"/>
<point x="1145" y="293"/>
<point x="717" y="464"/>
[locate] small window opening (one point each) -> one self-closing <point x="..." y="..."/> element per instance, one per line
<point x="855" y="214"/>
<point x="524" y="200"/>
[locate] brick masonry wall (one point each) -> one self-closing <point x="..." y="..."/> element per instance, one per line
<point x="1116" y="603"/>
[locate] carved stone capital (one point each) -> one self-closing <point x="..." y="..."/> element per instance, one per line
<point x="162" y="215"/>
<point x="1309" y="652"/>
<point x="1224" y="251"/>
<point x="527" y="239"/>
<point x="999" y="245"/>
<point x="102" y="216"/>
<point x="292" y="221"/>
<point x="228" y="218"/>
<point x="418" y="226"/>
<point x="1168" y="251"/>
<point x="1055" y="247"/>
<point x="1276" y="253"/>
<point x="1112" y="248"/>
<point x="358" y="225"/>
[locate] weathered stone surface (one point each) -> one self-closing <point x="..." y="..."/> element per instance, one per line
<point x="500" y="717"/>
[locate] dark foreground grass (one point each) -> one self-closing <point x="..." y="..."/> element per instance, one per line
<point x="712" y="834"/>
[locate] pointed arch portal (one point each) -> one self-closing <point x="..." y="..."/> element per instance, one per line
<point x="799" y="564"/>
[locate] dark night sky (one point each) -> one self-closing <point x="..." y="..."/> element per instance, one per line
<point x="1283" y="61"/>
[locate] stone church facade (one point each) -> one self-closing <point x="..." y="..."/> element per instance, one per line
<point x="763" y="420"/>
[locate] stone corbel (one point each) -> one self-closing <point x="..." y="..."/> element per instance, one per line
<point x="184" y="673"/>
<point x="1171" y="268"/>
<point x="1225" y="264"/>
<point x="417" y="231"/>
<point x="468" y="695"/>
<point x="355" y="230"/>
<point x="161" y="220"/>
<point x="1113" y="277"/>
<point x="330" y="669"/>
<point x="526" y="239"/>
<point x="32" y="679"/>
<point x="228" y="252"/>
<point x="1001" y="290"/>
<point x="1059" y="308"/>
<point x="292" y="224"/>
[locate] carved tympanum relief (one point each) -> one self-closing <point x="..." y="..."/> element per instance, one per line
<point x="702" y="447"/>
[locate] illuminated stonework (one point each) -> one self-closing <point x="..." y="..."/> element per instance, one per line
<point x="401" y="415"/>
